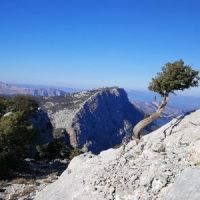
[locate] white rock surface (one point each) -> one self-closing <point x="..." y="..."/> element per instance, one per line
<point x="186" y="186"/>
<point x="144" y="171"/>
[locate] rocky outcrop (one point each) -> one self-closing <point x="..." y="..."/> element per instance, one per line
<point x="7" y="89"/>
<point x="95" y="120"/>
<point x="162" y="166"/>
<point x="42" y="123"/>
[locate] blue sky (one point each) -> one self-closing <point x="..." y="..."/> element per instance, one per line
<point x="95" y="43"/>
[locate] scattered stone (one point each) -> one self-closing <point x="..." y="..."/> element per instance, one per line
<point x="150" y="170"/>
<point x="158" y="146"/>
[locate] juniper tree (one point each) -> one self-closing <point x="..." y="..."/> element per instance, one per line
<point x="173" y="77"/>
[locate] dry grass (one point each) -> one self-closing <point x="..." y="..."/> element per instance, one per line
<point x="197" y="163"/>
<point x="19" y="181"/>
<point x="26" y="192"/>
<point x="192" y="151"/>
<point x="3" y="183"/>
<point x="15" y="196"/>
<point x="54" y="176"/>
<point x="47" y="181"/>
<point x="23" y="181"/>
<point x="138" y="153"/>
<point x="32" y="182"/>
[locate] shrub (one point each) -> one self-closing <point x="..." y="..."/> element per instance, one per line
<point x="17" y="136"/>
<point x="117" y="146"/>
<point x="75" y="152"/>
<point x="25" y="103"/>
<point x="50" y="150"/>
<point x="4" y="104"/>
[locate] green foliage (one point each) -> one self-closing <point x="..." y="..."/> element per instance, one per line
<point x="57" y="149"/>
<point x="174" y="76"/>
<point x="75" y="152"/>
<point x="25" y="103"/>
<point x="4" y="104"/>
<point x="16" y="139"/>
<point x="50" y="151"/>
<point x="117" y="146"/>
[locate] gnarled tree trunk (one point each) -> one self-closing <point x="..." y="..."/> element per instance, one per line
<point x="142" y="124"/>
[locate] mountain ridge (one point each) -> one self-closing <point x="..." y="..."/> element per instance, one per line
<point x="96" y="119"/>
<point x="8" y="89"/>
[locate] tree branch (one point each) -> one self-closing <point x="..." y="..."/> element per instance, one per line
<point x="156" y="102"/>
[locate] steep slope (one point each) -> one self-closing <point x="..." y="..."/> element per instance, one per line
<point x="95" y="120"/>
<point x="7" y="89"/>
<point x="142" y="171"/>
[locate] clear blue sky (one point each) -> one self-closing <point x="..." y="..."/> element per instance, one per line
<point x="95" y="43"/>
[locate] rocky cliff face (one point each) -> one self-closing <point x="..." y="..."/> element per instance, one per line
<point x="42" y="123"/>
<point x="95" y="120"/>
<point x="164" y="165"/>
<point x="7" y="89"/>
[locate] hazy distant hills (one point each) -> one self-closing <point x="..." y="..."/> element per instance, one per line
<point x="7" y="89"/>
<point x="147" y="107"/>
<point x="177" y="103"/>
<point x="65" y="89"/>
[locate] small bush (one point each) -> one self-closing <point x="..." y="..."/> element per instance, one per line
<point x="75" y="152"/>
<point x="50" y="151"/>
<point x="117" y="146"/>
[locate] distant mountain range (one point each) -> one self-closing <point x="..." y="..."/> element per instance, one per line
<point x="65" y="89"/>
<point x="7" y="89"/>
<point x="178" y="104"/>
